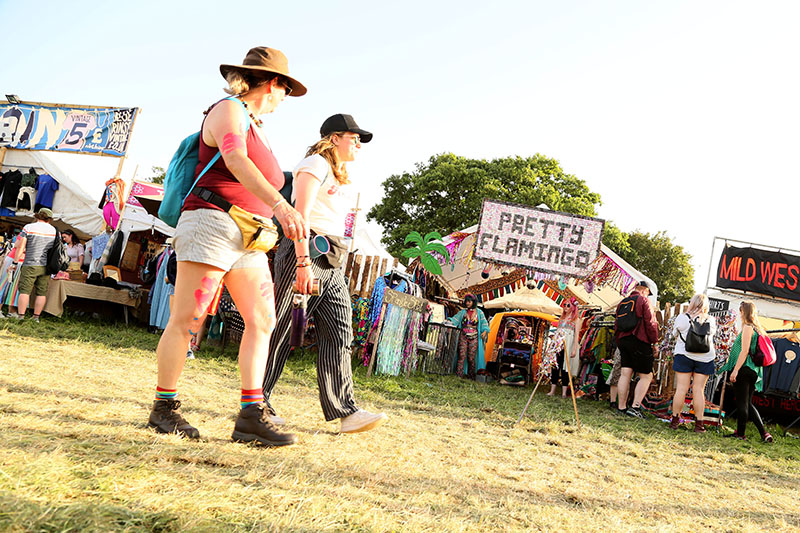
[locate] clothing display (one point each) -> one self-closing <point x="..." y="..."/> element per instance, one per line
<point x="25" y="200"/>
<point x="783" y="377"/>
<point x="160" y="293"/>
<point x="12" y="181"/>
<point x="360" y="320"/>
<point x="46" y="188"/>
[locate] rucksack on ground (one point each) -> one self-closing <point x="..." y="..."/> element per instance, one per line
<point x="626" y="318"/>
<point x="57" y="257"/>
<point x="179" y="179"/>
<point x="698" y="336"/>
<point x="764" y="354"/>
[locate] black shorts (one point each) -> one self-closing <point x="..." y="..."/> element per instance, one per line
<point x="636" y="354"/>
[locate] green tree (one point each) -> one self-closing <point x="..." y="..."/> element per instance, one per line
<point x="158" y="175"/>
<point x="446" y="193"/>
<point x="663" y="261"/>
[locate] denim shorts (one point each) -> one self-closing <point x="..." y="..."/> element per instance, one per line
<point x="683" y="364"/>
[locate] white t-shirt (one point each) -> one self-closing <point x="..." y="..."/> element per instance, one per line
<point x="329" y="211"/>
<point x="681" y="328"/>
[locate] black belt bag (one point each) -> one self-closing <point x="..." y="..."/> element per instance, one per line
<point x="337" y="255"/>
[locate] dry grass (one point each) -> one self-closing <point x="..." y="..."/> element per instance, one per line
<point x="75" y="454"/>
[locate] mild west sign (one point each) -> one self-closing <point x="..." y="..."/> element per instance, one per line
<point x="760" y="271"/>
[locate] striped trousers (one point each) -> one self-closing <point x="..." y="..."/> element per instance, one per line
<point x="333" y="320"/>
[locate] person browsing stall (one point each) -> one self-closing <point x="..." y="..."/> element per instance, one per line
<point x="692" y="368"/>
<point x="319" y="193"/>
<point x="567" y="360"/>
<point x="209" y="242"/>
<point x="744" y="374"/>
<point x="473" y="324"/>
<point x="636" y="351"/>
<point x="35" y="241"/>
<point x="74" y="247"/>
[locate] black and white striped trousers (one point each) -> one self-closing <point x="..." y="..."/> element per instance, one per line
<point x="333" y="320"/>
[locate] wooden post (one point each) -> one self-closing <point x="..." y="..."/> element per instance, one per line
<point x="349" y="265"/>
<point x="395" y="262"/>
<point x="374" y="351"/>
<point x="356" y="271"/>
<point x="365" y="277"/>
<point x="3" y="151"/>
<point x="373" y="274"/>
<point x="382" y="270"/>
<point x="721" y="400"/>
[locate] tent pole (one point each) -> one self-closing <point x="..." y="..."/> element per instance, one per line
<point x="541" y="375"/>
<point x="572" y="393"/>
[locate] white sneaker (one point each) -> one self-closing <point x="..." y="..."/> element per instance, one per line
<point x="190" y="354"/>
<point x="361" y="420"/>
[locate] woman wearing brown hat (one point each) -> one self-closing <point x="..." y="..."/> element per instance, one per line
<point x="209" y="244"/>
<point x="320" y="182"/>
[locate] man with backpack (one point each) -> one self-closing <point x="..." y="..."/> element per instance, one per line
<point x="36" y="240"/>
<point x="636" y="332"/>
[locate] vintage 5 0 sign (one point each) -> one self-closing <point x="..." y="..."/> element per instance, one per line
<point x="547" y="241"/>
<point x="88" y="130"/>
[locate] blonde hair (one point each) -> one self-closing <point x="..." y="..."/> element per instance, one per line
<point x="698" y="305"/>
<point x="750" y="316"/>
<point x="240" y="82"/>
<point x="327" y="150"/>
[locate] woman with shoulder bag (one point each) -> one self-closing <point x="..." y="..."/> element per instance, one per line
<point x="692" y="368"/>
<point x="744" y="374"/>
<point x="212" y="246"/>
<point x="320" y="182"/>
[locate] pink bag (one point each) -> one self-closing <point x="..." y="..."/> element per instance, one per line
<point x="764" y="354"/>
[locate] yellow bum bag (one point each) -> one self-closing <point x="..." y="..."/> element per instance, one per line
<point x="259" y="234"/>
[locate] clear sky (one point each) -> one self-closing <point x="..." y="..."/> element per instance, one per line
<point x="683" y="115"/>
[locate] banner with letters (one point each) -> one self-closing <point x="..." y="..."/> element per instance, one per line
<point x="759" y="271"/>
<point x="539" y="239"/>
<point x="86" y="130"/>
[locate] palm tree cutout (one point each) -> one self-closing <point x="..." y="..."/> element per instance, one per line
<point x="424" y="248"/>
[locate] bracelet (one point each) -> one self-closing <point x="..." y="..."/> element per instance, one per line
<point x="279" y="202"/>
<point x="303" y="265"/>
<point x="299" y="257"/>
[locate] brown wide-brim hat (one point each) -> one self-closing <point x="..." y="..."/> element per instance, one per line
<point x="266" y="59"/>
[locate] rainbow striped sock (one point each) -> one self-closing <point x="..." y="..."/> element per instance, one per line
<point x="166" y="394"/>
<point x="252" y="396"/>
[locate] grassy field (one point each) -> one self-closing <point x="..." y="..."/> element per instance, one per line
<point x="75" y="454"/>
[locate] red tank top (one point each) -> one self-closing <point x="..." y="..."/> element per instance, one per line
<point x="219" y="179"/>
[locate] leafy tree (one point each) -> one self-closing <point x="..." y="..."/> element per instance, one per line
<point x="666" y="263"/>
<point x="446" y="193"/>
<point x="158" y="175"/>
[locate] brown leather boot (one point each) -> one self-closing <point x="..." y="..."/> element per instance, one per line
<point x="675" y="422"/>
<point x="165" y="418"/>
<point x="699" y="426"/>
<point x="254" y="424"/>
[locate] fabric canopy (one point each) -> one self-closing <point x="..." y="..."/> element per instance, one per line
<point x="527" y="300"/>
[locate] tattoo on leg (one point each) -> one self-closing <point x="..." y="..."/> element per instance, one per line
<point x="205" y="294"/>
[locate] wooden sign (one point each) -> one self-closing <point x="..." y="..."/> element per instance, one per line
<point x="405" y="301"/>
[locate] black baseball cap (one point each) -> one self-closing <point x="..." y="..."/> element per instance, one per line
<point x="340" y="122"/>
<point x="646" y="284"/>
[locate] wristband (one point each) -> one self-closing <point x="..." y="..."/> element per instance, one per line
<point x="279" y="202"/>
<point x="303" y="265"/>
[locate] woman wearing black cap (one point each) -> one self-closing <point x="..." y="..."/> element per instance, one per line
<point x="320" y="186"/>
<point x="473" y="324"/>
<point x="209" y="243"/>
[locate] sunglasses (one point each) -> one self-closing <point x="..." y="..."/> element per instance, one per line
<point x="356" y="138"/>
